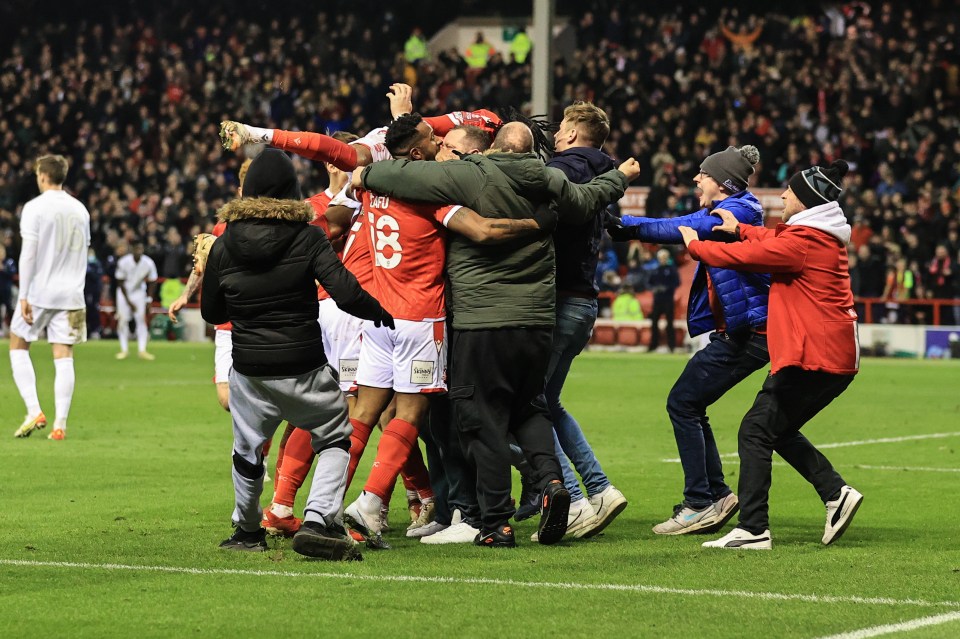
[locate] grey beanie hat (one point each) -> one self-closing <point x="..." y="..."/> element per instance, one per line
<point x="732" y="167"/>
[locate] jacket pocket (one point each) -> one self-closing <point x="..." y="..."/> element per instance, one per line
<point x="840" y="345"/>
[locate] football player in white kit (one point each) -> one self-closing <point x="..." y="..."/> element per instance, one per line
<point x="55" y="228"/>
<point x="134" y="270"/>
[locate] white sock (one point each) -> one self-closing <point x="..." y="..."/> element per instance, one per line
<point x="142" y="334"/>
<point x="123" y="332"/>
<point x="261" y="135"/>
<point x="63" y="385"/>
<point x="281" y="511"/>
<point x="25" y="379"/>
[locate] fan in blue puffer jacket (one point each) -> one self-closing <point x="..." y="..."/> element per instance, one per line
<point x="731" y="303"/>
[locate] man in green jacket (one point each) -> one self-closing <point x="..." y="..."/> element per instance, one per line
<point x="503" y="307"/>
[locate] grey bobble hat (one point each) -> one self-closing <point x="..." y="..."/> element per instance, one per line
<point x="732" y="167"/>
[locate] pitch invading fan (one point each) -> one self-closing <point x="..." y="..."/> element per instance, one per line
<point x="55" y="228"/>
<point x="732" y="304"/>
<point x="262" y="276"/>
<point x="814" y="349"/>
<point x="503" y="303"/>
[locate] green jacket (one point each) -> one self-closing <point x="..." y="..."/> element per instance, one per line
<point x="501" y="285"/>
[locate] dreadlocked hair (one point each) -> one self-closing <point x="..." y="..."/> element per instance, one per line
<point x="402" y="133"/>
<point x="541" y="128"/>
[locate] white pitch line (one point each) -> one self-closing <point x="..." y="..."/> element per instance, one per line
<point x="481" y="581"/>
<point x="861" y="442"/>
<point x="892" y="628"/>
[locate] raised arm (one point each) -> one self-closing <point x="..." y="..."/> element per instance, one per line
<point x="782" y="254"/>
<point x="578" y="203"/>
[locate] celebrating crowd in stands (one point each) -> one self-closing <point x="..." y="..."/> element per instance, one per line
<point x="134" y="103"/>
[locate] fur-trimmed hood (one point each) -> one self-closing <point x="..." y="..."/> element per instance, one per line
<point x="266" y="208"/>
<point x="260" y="230"/>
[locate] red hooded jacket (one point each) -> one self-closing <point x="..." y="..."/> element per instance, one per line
<point x="811" y="322"/>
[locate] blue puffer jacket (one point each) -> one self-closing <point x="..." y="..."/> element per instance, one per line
<point x="743" y="296"/>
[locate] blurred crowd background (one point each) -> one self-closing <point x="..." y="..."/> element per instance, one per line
<point x="133" y="95"/>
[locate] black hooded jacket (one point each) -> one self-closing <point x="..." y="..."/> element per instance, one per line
<point x="261" y="275"/>
<point x="578" y="245"/>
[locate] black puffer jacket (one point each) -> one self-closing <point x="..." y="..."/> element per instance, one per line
<point x="261" y="276"/>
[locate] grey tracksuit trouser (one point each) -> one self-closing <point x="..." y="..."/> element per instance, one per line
<point x="311" y="401"/>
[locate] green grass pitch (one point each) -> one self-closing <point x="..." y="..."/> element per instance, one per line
<point x="114" y="532"/>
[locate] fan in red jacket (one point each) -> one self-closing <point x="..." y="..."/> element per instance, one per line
<point x="814" y="349"/>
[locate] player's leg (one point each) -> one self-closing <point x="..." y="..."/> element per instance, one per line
<point x="374" y="388"/>
<point x="222" y="363"/>
<point x="143" y="331"/>
<point x="124" y="315"/>
<point x="66" y="329"/>
<point x="24" y="376"/>
<point x="291" y="472"/>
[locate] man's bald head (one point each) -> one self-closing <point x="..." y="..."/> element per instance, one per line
<point x="515" y="137"/>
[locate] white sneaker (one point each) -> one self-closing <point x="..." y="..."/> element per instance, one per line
<point x="688" y="520"/>
<point x="840" y="513"/>
<point x="740" y="539"/>
<point x="459" y="532"/>
<point x="580" y="519"/>
<point x="364" y="515"/>
<point x="606" y="505"/>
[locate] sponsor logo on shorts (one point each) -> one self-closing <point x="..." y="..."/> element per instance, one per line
<point x="348" y="370"/>
<point x="421" y="371"/>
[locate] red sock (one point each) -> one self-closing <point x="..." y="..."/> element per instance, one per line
<point x="317" y="147"/>
<point x="399" y="438"/>
<point x="415" y="475"/>
<point x="358" y="441"/>
<point x="266" y="448"/>
<point x="297" y="460"/>
<point x="283" y="444"/>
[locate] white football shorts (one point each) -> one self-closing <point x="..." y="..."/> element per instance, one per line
<point x="410" y="359"/>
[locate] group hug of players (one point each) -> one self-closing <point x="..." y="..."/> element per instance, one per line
<point x="385" y="250"/>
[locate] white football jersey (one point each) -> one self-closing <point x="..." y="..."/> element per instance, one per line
<point x="59" y="224"/>
<point x="133" y="275"/>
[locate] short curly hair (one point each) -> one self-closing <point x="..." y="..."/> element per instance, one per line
<point x="402" y="134"/>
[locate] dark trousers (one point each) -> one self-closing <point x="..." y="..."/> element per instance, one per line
<point x="453" y="480"/>
<point x="496" y="390"/>
<point x="662" y="307"/>
<point x="787" y="401"/>
<point x="709" y="374"/>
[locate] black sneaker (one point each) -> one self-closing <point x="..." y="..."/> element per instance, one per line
<point x="325" y="542"/>
<point x="529" y="501"/>
<point x="555" y="508"/>
<point x="246" y="541"/>
<point x="499" y="537"/>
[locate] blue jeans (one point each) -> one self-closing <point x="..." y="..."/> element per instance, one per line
<point x="710" y="373"/>
<point x="575" y="319"/>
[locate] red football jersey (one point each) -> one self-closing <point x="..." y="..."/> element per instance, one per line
<point x="408" y="243"/>
<point x="320" y="202"/>
<point x="218" y="230"/>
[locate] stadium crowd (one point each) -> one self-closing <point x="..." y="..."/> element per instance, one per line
<point x="134" y="103"/>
